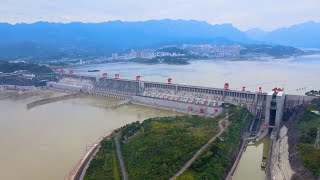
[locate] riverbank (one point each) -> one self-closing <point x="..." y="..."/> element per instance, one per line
<point x="303" y="134"/>
<point x="78" y="171"/>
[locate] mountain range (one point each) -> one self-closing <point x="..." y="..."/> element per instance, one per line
<point x="304" y="35"/>
<point x="56" y="40"/>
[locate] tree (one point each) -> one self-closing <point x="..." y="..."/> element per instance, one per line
<point x="164" y="168"/>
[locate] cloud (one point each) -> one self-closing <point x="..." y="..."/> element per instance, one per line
<point x="245" y="14"/>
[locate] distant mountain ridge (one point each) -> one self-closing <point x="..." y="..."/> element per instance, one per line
<point x="45" y="39"/>
<point x="164" y="30"/>
<point x="304" y="35"/>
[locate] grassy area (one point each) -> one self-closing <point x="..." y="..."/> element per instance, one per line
<point x="215" y="162"/>
<point x="157" y="148"/>
<point x="307" y="126"/>
<point x="310" y="157"/>
<point x="105" y="165"/>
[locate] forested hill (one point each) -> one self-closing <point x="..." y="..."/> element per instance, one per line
<point x="7" y="67"/>
<point x="56" y="40"/>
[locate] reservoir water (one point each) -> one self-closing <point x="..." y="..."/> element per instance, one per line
<point x="46" y="141"/>
<point x="296" y="75"/>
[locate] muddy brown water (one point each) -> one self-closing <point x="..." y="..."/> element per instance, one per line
<point x="46" y="141"/>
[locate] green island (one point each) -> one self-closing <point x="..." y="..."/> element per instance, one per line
<point x="105" y="164"/>
<point x="157" y="148"/>
<point x="164" y="60"/>
<point x="307" y="126"/>
<point x="216" y="161"/>
<point x="276" y="51"/>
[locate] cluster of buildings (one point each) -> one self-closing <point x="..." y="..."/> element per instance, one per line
<point x="145" y="54"/>
<point x="204" y="50"/>
<point x="207" y="50"/>
<point x="23" y="80"/>
<point x="17" y="61"/>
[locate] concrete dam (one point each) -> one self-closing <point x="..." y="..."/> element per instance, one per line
<point x="270" y="107"/>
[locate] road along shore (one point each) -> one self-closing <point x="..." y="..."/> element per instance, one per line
<point x="79" y="169"/>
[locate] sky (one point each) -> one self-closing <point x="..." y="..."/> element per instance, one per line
<point x="244" y="14"/>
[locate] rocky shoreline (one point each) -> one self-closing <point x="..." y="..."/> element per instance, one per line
<point x="285" y="155"/>
<point x="300" y="172"/>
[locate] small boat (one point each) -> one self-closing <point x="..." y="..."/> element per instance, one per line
<point x="95" y="70"/>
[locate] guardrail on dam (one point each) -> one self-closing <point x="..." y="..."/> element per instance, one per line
<point x="184" y="98"/>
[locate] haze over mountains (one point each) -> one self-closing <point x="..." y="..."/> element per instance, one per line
<point x="44" y="39"/>
<point x="304" y="35"/>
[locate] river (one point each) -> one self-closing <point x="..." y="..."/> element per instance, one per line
<point x="46" y="141"/>
<point x="249" y="166"/>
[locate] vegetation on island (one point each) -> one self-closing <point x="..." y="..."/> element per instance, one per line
<point x="105" y="165"/>
<point x="276" y="51"/>
<point x="307" y="126"/>
<point x="157" y="148"/>
<point x="7" y="67"/>
<point x="173" y="50"/>
<point x="174" y="60"/>
<point x="171" y="60"/>
<point x="216" y="161"/>
<point x="313" y="93"/>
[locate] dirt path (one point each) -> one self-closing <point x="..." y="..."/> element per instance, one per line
<point x="202" y="149"/>
<point x="120" y="158"/>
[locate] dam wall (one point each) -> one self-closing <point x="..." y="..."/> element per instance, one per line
<point x="176" y="106"/>
<point x="73" y="84"/>
<point x="121" y="86"/>
<point x="292" y="101"/>
<point x="64" y="87"/>
<point x="191" y="98"/>
<point x="204" y="96"/>
<point x="111" y="94"/>
<point x="186" y="98"/>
